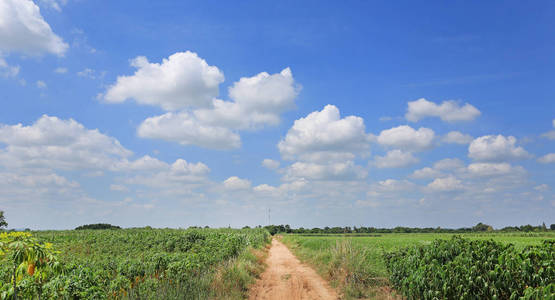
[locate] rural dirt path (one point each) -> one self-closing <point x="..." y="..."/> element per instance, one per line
<point x="286" y="277"/>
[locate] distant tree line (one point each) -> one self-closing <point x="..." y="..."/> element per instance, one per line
<point x="97" y="226"/>
<point x="480" y="227"/>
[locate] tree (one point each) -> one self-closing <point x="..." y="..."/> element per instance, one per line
<point x="97" y="226"/>
<point x="482" y="227"/>
<point x="3" y="222"/>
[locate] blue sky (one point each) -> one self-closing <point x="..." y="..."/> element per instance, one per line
<point x="178" y="113"/>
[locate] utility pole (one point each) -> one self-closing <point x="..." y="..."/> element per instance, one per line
<point x="269" y="217"/>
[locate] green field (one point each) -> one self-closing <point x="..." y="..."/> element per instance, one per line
<point x="132" y="263"/>
<point x="355" y="264"/>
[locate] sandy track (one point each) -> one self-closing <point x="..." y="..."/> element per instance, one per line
<point x="287" y="278"/>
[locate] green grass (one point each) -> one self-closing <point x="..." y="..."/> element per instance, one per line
<point x="355" y="265"/>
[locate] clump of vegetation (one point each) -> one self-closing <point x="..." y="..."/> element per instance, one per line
<point x="97" y="226"/>
<point x="3" y="222"/>
<point x="134" y="264"/>
<point x="349" y="268"/>
<point x="479" y="269"/>
<point x="27" y="263"/>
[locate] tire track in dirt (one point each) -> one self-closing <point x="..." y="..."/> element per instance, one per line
<point x="286" y="277"/>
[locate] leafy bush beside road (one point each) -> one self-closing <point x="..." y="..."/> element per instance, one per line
<point x="478" y="269"/>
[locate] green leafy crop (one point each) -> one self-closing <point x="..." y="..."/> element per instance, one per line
<point x="479" y="269"/>
<point x="124" y="264"/>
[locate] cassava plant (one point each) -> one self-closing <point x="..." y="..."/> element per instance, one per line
<point x="29" y="259"/>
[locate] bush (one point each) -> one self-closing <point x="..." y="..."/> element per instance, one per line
<point x="462" y="269"/>
<point x="97" y="226"/>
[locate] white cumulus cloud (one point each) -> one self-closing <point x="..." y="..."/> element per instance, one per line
<point x="542" y="187"/>
<point x="257" y="101"/>
<point x="270" y="164"/>
<point x="186" y="86"/>
<point x="6" y="70"/>
<point x="186" y="130"/>
<point x="236" y="183"/>
<point x="407" y="138"/>
<point x="445" y="184"/>
<point x="325" y="136"/>
<point x="23" y="29"/>
<point x="489" y="169"/>
<point x="456" y="137"/>
<point x="449" y="111"/>
<point x="177" y="178"/>
<point x="547" y="159"/>
<point x="496" y="148"/>
<point x="395" y="159"/>
<point x="327" y="171"/>
<point x="426" y="173"/>
<point x="550" y="134"/>
<point x="41" y="84"/>
<point x="182" y="80"/>
<point x="58" y="144"/>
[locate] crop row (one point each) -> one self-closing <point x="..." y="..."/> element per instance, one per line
<point x="479" y="269"/>
<point x="133" y="263"/>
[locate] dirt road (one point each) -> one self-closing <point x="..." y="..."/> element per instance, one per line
<point x="287" y="278"/>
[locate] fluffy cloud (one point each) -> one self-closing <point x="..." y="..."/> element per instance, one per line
<point x="496" y="148"/>
<point x="145" y="163"/>
<point x="266" y="189"/>
<point x="41" y="84"/>
<point x="6" y="70"/>
<point x="236" y="183"/>
<point x="449" y="111"/>
<point x="330" y="171"/>
<point x="407" y="138"/>
<point x="265" y="93"/>
<point x="445" y="184"/>
<point x="489" y="169"/>
<point x="179" y="177"/>
<point x="550" y="134"/>
<point x="23" y="29"/>
<point x="180" y="81"/>
<point x="547" y="159"/>
<point x="257" y="101"/>
<point x="542" y="187"/>
<point x="58" y="144"/>
<point x="37" y="181"/>
<point x="456" y="137"/>
<point x="387" y="191"/>
<point x="186" y="130"/>
<point x="325" y="136"/>
<point x="186" y="86"/>
<point x="53" y="4"/>
<point x="449" y="164"/>
<point x="391" y="185"/>
<point x="444" y="165"/>
<point x="270" y="164"/>
<point x="395" y="159"/>
<point x="426" y="173"/>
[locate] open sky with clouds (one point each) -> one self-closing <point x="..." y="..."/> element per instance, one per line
<point x="181" y="113"/>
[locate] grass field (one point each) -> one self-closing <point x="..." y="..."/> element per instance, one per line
<point x="356" y="266"/>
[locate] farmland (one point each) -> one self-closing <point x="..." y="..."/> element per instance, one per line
<point x="356" y="264"/>
<point x="200" y="263"/>
<point x="131" y="263"/>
